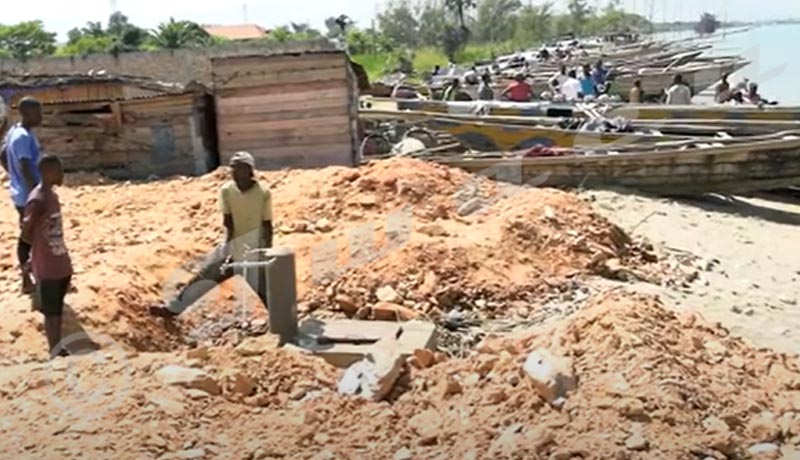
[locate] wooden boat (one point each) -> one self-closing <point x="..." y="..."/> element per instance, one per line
<point x="664" y="113"/>
<point x="714" y="112"/>
<point x="669" y="127"/>
<point x="769" y="163"/>
<point x="488" y="137"/>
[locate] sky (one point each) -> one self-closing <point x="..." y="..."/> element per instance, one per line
<point x="271" y="13"/>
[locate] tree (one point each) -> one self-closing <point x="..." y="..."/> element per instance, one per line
<point x="534" y="24"/>
<point x="432" y="22"/>
<point x="496" y="20"/>
<point x="337" y="25"/>
<point x="398" y="24"/>
<point x="459" y="9"/>
<point x="303" y="32"/>
<point x="125" y="35"/>
<point x="708" y="24"/>
<point x="281" y="34"/>
<point x="579" y="11"/>
<point x="179" y="34"/>
<point x="86" y="45"/>
<point x="27" y="40"/>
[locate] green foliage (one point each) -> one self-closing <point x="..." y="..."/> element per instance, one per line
<point x="27" y="40"/>
<point x="580" y="12"/>
<point x="179" y="34"/>
<point x="399" y="24"/>
<point x="534" y="24"/>
<point x="496" y="20"/>
<point x="86" y="45"/>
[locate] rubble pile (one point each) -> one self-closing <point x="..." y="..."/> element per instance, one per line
<point x="624" y="378"/>
<point x="433" y="239"/>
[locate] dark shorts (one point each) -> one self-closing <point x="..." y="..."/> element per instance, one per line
<point x="51" y="296"/>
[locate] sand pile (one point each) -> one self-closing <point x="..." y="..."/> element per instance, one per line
<point x="651" y="384"/>
<point x="437" y="237"/>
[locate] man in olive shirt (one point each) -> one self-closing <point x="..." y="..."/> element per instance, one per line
<point x="246" y="207"/>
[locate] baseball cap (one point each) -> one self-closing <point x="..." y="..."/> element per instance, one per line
<point x="243" y="158"/>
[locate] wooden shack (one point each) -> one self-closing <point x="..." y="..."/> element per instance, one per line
<point x="123" y="130"/>
<point x="288" y="110"/>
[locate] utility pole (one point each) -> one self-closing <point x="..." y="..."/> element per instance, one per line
<point x="114" y="7"/>
<point x="244" y="12"/>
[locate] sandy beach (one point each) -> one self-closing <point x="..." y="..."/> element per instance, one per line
<point x="749" y="258"/>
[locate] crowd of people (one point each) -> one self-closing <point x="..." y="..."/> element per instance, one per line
<point x="585" y="83"/>
<point x="44" y="261"/>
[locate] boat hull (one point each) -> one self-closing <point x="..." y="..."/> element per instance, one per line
<point x="734" y="169"/>
<point x="488" y="137"/>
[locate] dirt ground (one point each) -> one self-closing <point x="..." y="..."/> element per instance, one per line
<point x="750" y="247"/>
<point x="575" y="274"/>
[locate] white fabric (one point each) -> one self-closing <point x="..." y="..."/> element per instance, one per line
<point x="571" y="88"/>
<point x="679" y="95"/>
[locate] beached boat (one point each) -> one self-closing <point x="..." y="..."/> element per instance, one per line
<point x="699" y="76"/>
<point x="706" y="112"/>
<point x="768" y="163"/>
<point x="488" y="137"/>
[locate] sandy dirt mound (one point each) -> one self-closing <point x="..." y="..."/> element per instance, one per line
<point x="439" y="237"/>
<point x="652" y="384"/>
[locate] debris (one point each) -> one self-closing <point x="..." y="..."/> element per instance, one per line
<point x="188" y="378"/>
<point x="469" y="207"/>
<point x="323" y="225"/>
<point x="387" y="294"/>
<point x="387" y="311"/>
<point x="257" y="346"/>
<point x="764" y="451"/>
<point x="374" y="377"/>
<point x="190" y="454"/>
<point x="636" y="442"/>
<point x="238" y="383"/>
<point x="552" y="376"/>
<point x="764" y="427"/>
<point x="425" y="358"/>
<point x="403" y="454"/>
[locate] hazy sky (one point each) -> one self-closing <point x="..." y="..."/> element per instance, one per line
<point x="60" y="16"/>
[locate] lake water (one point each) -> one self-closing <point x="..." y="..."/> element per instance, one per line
<point x="773" y="52"/>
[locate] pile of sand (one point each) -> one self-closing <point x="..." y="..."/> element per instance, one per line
<point x="439" y="237"/>
<point x="652" y="384"/>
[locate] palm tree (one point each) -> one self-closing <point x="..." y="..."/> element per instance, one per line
<point x="179" y="34"/>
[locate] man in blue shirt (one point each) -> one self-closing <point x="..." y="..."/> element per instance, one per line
<point x="20" y="157"/>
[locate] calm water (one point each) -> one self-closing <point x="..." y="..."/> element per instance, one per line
<point x="773" y="51"/>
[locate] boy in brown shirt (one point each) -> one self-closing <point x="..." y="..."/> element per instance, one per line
<point x="50" y="262"/>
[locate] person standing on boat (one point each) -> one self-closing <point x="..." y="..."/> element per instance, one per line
<point x="518" y="91"/>
<point x="722" y="92"/>
<point x="636" y="95"/>
<point x="679" y="93"/>
<point x="587" y="82"/>
<point x="485" y="91"/>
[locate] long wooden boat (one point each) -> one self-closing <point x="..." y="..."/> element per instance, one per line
<point x="710" y="112"/>
<point x="739" y="167"/>
<point x="488" y="137"/>
<point x="728" y="113"/>
<point x="668" y="127"/>
<point x="699" y="77"/>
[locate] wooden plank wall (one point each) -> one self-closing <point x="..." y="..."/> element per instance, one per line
<point x="129" y="139"/>
<point x="287" y="110"/>
<point x="75" y="92"/>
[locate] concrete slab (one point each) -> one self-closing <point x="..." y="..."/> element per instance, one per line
<point x="345" y="342"/>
